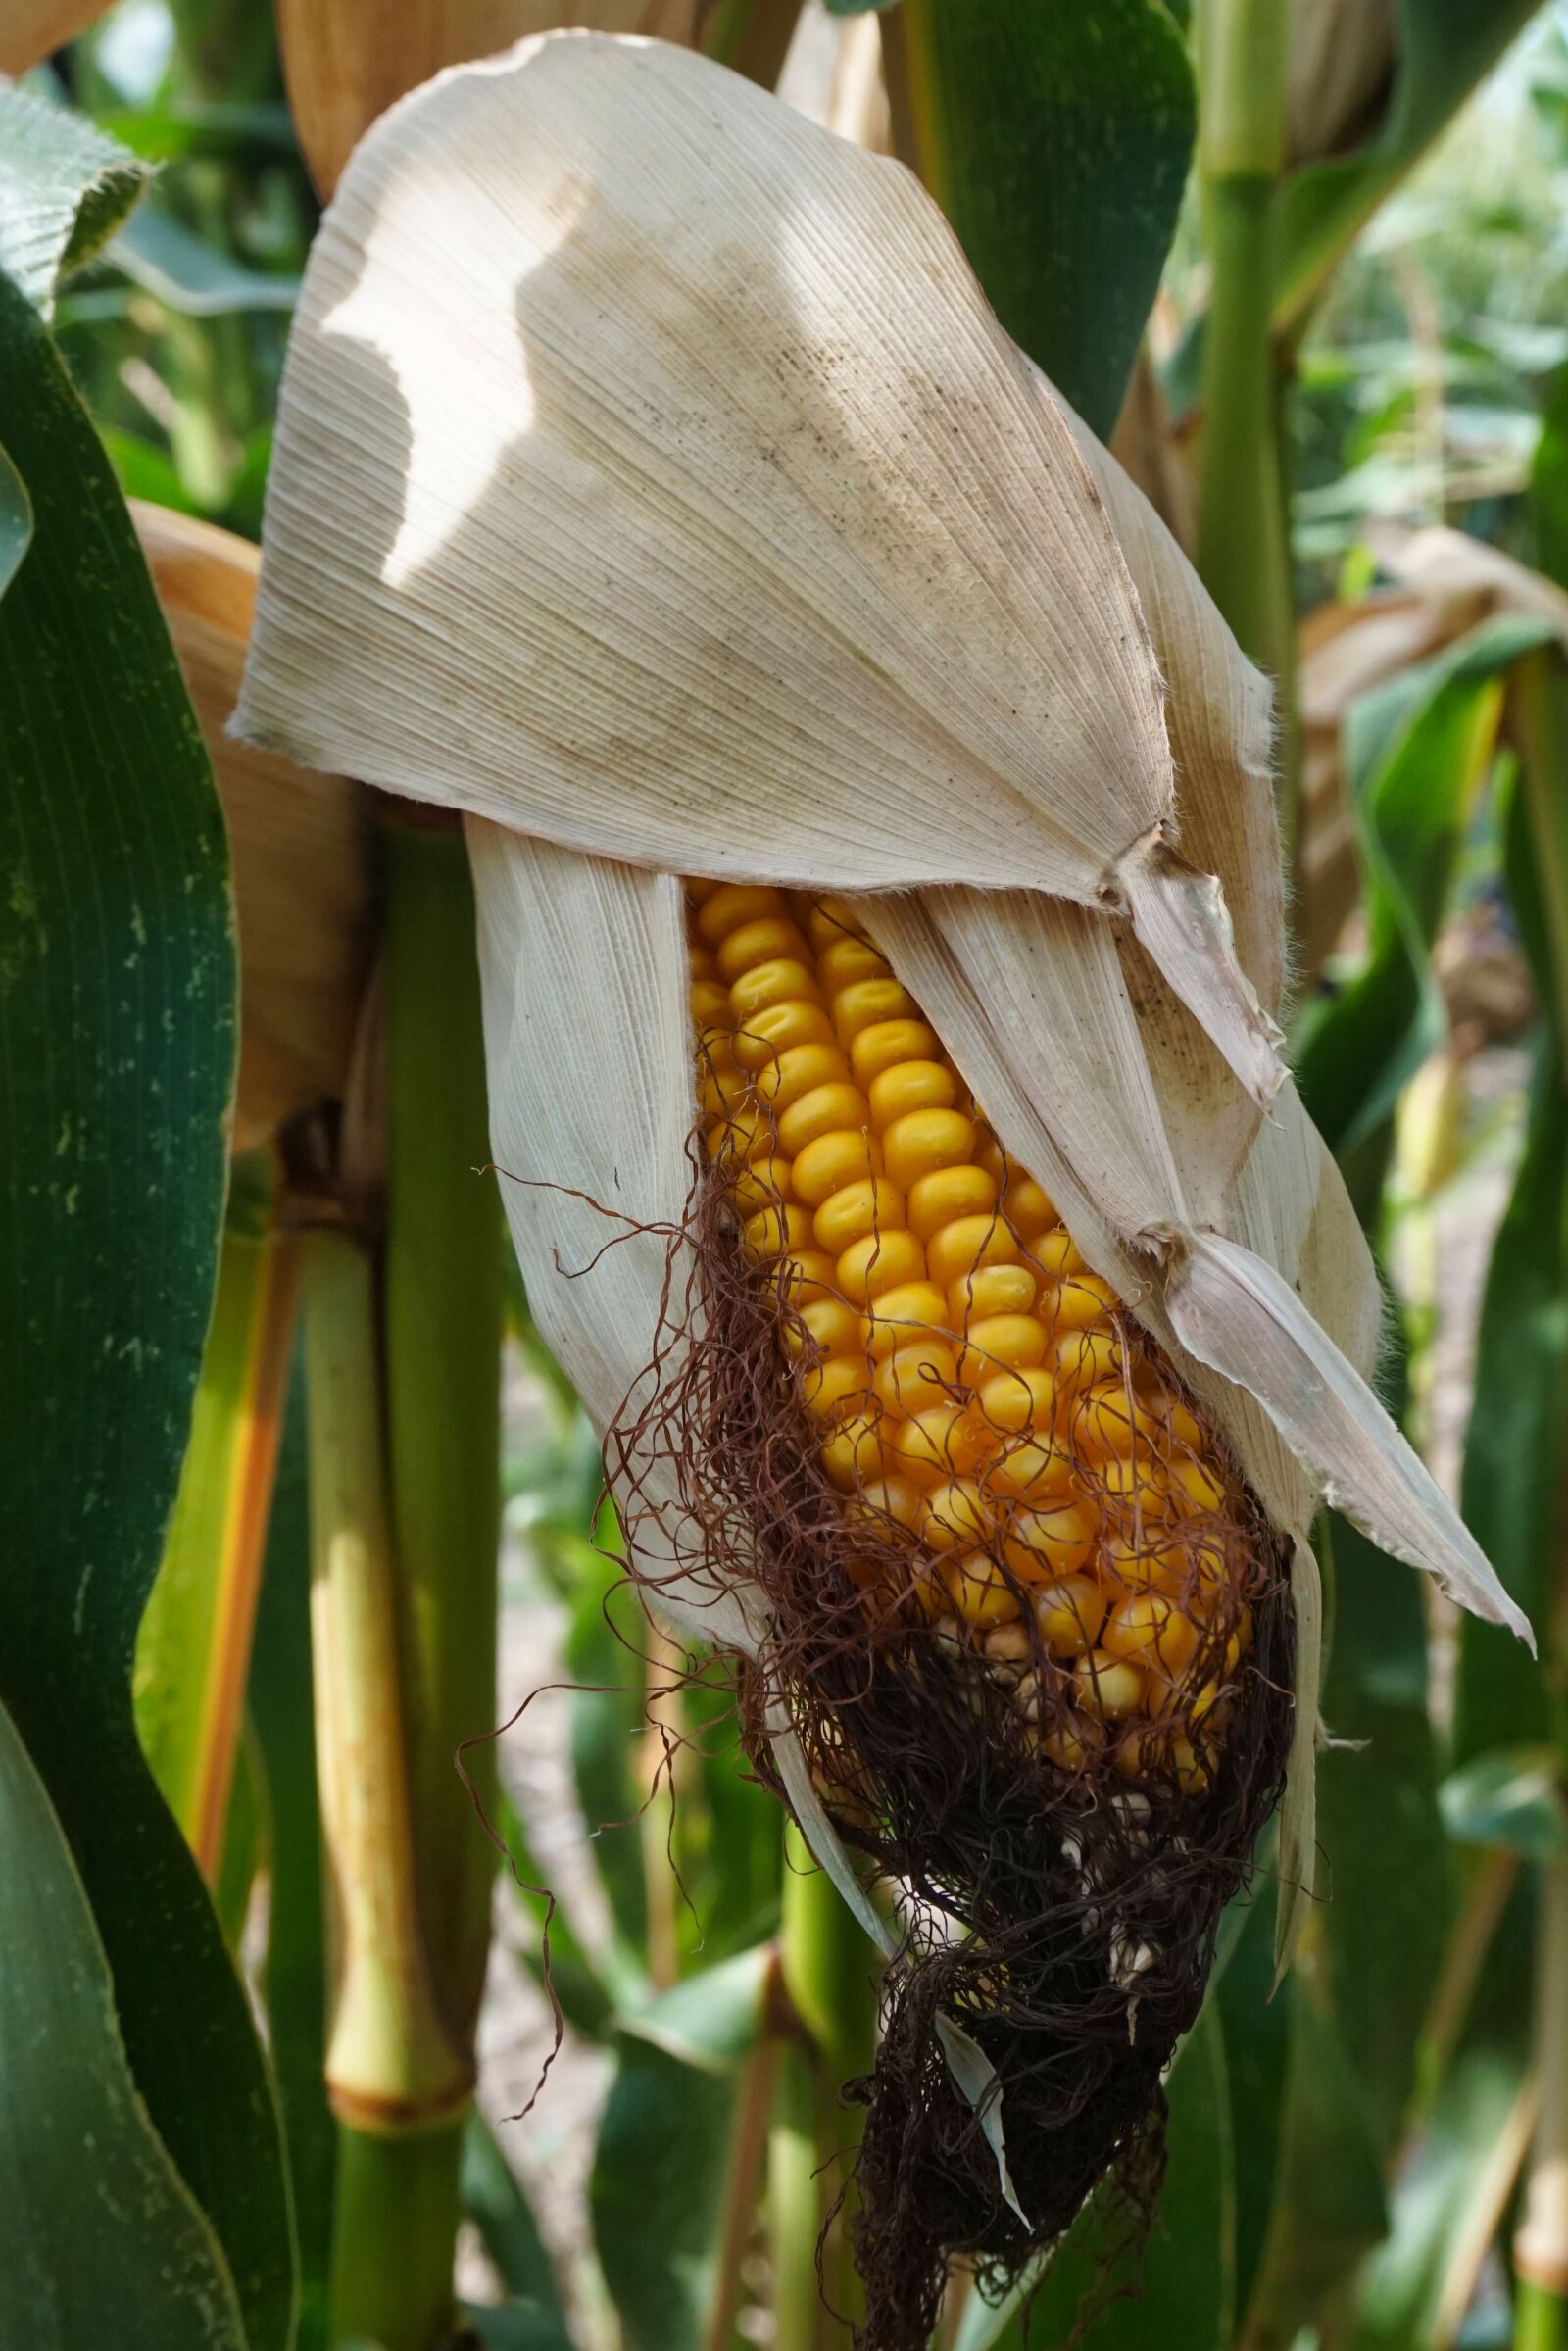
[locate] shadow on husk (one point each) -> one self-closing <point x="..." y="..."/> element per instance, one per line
<point x="1063" y="1912"/>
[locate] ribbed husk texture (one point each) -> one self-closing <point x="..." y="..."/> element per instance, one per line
<point x="653" y="485"/>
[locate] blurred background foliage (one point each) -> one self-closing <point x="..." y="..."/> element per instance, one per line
<point x="1370" y="2161"/>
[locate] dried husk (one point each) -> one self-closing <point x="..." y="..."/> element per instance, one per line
<point x="1342" y="61"/>
<point x="344" y="64"/>
<point x="653" y="485"/>
<point x="296" y="845"/>
<point x="727" y="394"/>
<point x="30" y="29"/>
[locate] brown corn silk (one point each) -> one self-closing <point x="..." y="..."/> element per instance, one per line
<point x="1031" y="1629"/>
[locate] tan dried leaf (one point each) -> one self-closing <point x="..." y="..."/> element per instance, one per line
<point x="301" y="892"/>
<point x="29" y="29"/>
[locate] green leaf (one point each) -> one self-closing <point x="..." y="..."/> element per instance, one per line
<point x="116" y="1053"/>
<point x="607" y="1730"/>
<point x="161" y="256"/>
<point x="1057" y="135"/>
<point x="247" y="1838"/>
<point x="1416" y="754"/>
<point x="63" y="189"/>
<point x="495" y="2203"/>
<point x="1444" y="48"/>
<point x="294" y="1973"/>
<point x="656" y="2193"/>
<point x="1514" y="1455"/>
<point x="99" y="2236"/>
<point x="1257" y="2030"/>
<point x="16" y="521"/>
<point x="1509" y="1797"/>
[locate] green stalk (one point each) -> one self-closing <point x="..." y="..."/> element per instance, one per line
<point x="1540" y="2243"/>
<point x="443" y="1317"/>
<point x="1243" y="543"/>
<point x="828" y="1980"/>
<point x="393" y="2072"/>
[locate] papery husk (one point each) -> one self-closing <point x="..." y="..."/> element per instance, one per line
<point x="30" y="29"/>
<point x="1342" y="61"/>
<point x="710" y="395"/>
<point x="297" y="849"/>
<point x="344" y="64"/>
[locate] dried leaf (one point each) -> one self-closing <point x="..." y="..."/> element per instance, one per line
<point x="1298" y="1862"/>
<point x="32" y="29"/>
<point x="296" y="852"/>
<point x="345" y="64"/>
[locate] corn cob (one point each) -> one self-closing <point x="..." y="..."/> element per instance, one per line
<point x="981" y="1399"/>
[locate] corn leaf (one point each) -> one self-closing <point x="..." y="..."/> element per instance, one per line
<point x="1417" y="752"/>
<point x="94" y="2219"/>
<point x="1510" y="1798"/>
<point x="294" y="1970"/>
<point x="496" y="2205"/>
<point x="63" y="188"/>
<point x="663" y="2153"/>
<point x="117" y="1048"/>
<point x="1444" y="48"/>
<point x="16" y="521"/>
<point x="1056" y="139"/>
<point x="161" y="255"/>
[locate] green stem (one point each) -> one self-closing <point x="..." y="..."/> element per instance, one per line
<point x="829" y="1981"/>
<point x="1540" y="2243"/>
<point x="443" y="1318"/>
<point x="1243" y="544"/>
<point x="397" y="2213"/>
<point x="750" y="37"/>
<point x="393" y="2073"/>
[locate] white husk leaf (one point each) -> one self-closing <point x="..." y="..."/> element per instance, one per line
<point x="302" y="897"/>
<point x="635" y="426"/>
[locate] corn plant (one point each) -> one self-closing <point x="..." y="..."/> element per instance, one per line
<point x="752" y="783"/>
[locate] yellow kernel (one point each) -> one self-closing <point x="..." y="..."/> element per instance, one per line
<point x="1183" y="1430"/>
<point x="978" y="1592"/>
<point x="739" y="1141"/>
<point x="1015" y="1401"/>
<point x="770" y="940"/>
<point x="782" y="980"/>
<point x="879" y="1262"/>
<point x="1069" y="1745"/>
<point x="895" y="1499"/>
<point x="1029" y="1205"/>
<point x="904" y="1315"/>
<point x="992" y="1290"/>
<point x="844" y="961"/>
<point x="1135" y="1486"/>
<point x="720" y="1086"/>
<point x="1054" y="1252"/>
<point x="702" y="962"/>
<point x="853" y="1452"/>
<point x="833" y="1160"/>
<point x="829" y="919"/>
<point x="885" y="1042"/>
<point x="948" y="1195"/>
<point x="1038" y="1473"/>
<point x="808" y="1274"/>
<point x="943" y="1442"/>
<point x="726" y="907"/>
<point x="1154" y="1565"/>
<point x="1073" y="1305"/>
<point x="1053" y="1540"/>
<point x="777" y="1029"/>
<point x="1195" y="1488"/>
<point x="865" y="1004"/>
<point x="925" y="1372"/>
<point x="990" y="1155"/>
<point x="833" y="1325"/>
<point x="762" y="1184"/>
<point x="870" y="1205"/>
<point x="1003" y="1342"/>
<point x="1087" y="1358"/>
<point x="1107" y="1421"/>
<point x="835" y="1386"/>
<point x="923" y="1140"/>
<point x="800" y="1069"/>
<point x="710" y="1004"/>
<point x="1152" y="1630"/>
<point x="824" y="1112"/>
<point x="1109" y="1685"/>
<point x="970" y="1241"/>
<point x="1069" y="1613"/>
<point x="772" y="1231"/>
<point x="910" y="1086"/>
<point x="957" y="1517"/>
